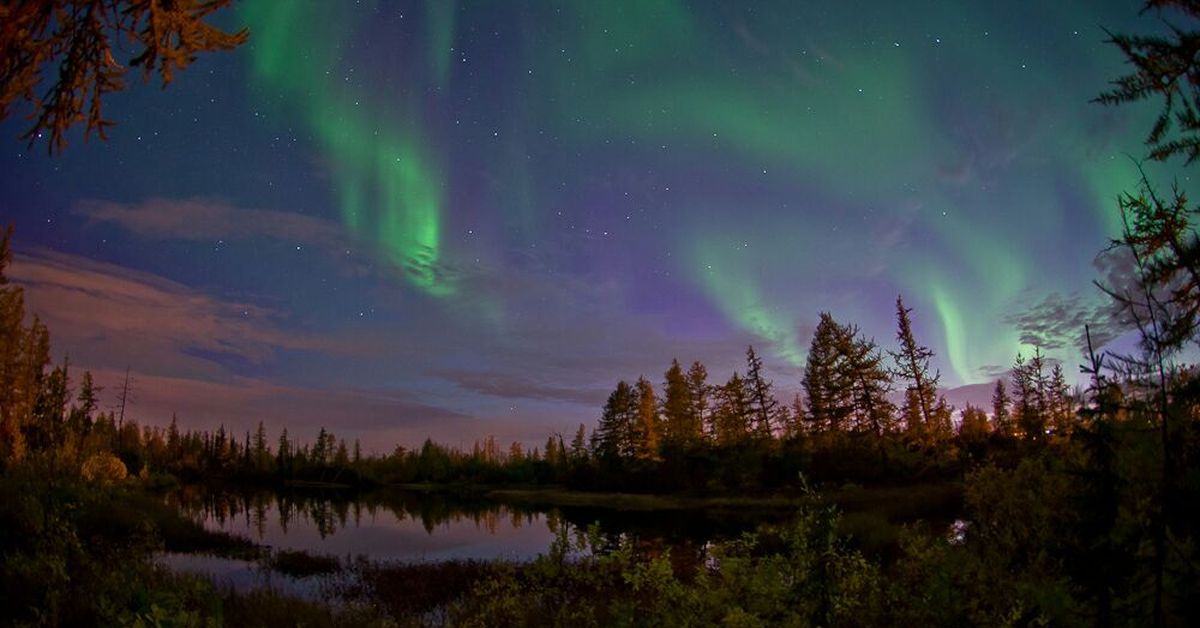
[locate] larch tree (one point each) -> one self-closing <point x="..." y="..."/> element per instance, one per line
<point x="680" y="425"/>
<point x="647" y="431"/>
<point x="912" y="364"/>
<point x="700" y="392"/>
<point x="862" y="368"/>
<point x="830" y="397"/>
<point x="731" y="413"/>
<point x="59" y="57"/>
<point x="763" y="405"/>
<point x="24" y="356"/>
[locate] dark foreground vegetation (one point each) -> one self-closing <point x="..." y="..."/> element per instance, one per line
<point x="1079" y="508"/>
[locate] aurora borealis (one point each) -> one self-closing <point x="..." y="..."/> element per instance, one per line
<point x="460" y="218"/>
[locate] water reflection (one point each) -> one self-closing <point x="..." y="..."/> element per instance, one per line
<point x="418" y="526"/>
<point x="379" y="525"/>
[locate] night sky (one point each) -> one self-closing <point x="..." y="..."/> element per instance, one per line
<point x="462" y="219"/>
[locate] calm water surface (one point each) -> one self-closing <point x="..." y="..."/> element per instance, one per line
<point x="388" y="526"/>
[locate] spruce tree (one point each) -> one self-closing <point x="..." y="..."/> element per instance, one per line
<point x="613" y="437"/>
<point x="1001" y="416"/>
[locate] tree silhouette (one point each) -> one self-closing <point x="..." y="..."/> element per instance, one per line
<point x="912" y="364"/>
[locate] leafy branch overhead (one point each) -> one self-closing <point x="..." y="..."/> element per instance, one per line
<point x="60" y="56"/>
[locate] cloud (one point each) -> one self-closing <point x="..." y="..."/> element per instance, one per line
<point x="210" y="220"/>
<point x="503" y="385"/>
<point x="201" y="219"/>
<point x="1059" y="321"/>
<point x="108" y="314"/>
<point x="381" y="418"/>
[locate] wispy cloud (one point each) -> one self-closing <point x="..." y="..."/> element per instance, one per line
<point x="380" y="418"/>
<point x="210" y="219"/>
<point x="507" y="386"/>
<point x="104" y="312"/>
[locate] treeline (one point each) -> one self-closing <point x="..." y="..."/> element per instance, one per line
<point x="687" y="434"/>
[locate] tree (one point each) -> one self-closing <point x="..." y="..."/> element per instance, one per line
<point x="89" y="397"/>
<point x="283" y="453"/>
<point x="1058" y="402"/>
<point x="613" y="438"/>
<point x="830" y="401"/>
<point x="763" y="406"/>
<point x="82" y="38"/>
<point x="974" y="428"/>
<point x="796" y="419"/>
<point x="1161" y="297"/>
<point x="681" y="426"/>
<point x="24" y="356"/>
<point x="647" y="432"/>
<point x="861" y="366"/>
<point x="700" y="391"/>
<point x="1001" y="417"/>
<point x="912" y="364"/>
<point x="262" y="455"/>
<point x="579" y="452"/>
<point x="731" y="412"/>
<point x="1030" y="384"/>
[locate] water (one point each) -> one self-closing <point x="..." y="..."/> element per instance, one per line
<point x="408" y="526"/>
<point x="381" y="526"/>
<point x="412" y="526"/>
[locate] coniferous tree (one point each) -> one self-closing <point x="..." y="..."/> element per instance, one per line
<point x="75" y="39"/>
<point x="680" y="423"/>
<point x="89" y="396"/>
<point x="912" y="365"/>
<point x="283" y="453"/>
<point x="974" y="428"/>
<point x="613" y="438"/>
<point x="763" y="406"/>
<point x="1030" y="385"/>
<point x="579" y="452"/>
<point x="700" y="392"/>
<point x="732" y="412"/>
<point x="1001" y="414"/>
<point x="862" y="367"/>
<point x="647" y="432"/>
<point x="24" y="356"/>
<point x="830" y="397"/>
<point x="797" y="419"/>
<point x="1058" y="400"/>
<point x="262" y="455"/>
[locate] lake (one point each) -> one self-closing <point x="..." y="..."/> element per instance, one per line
<point x="418" y="526"/>
<point x="392" y="525"/>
